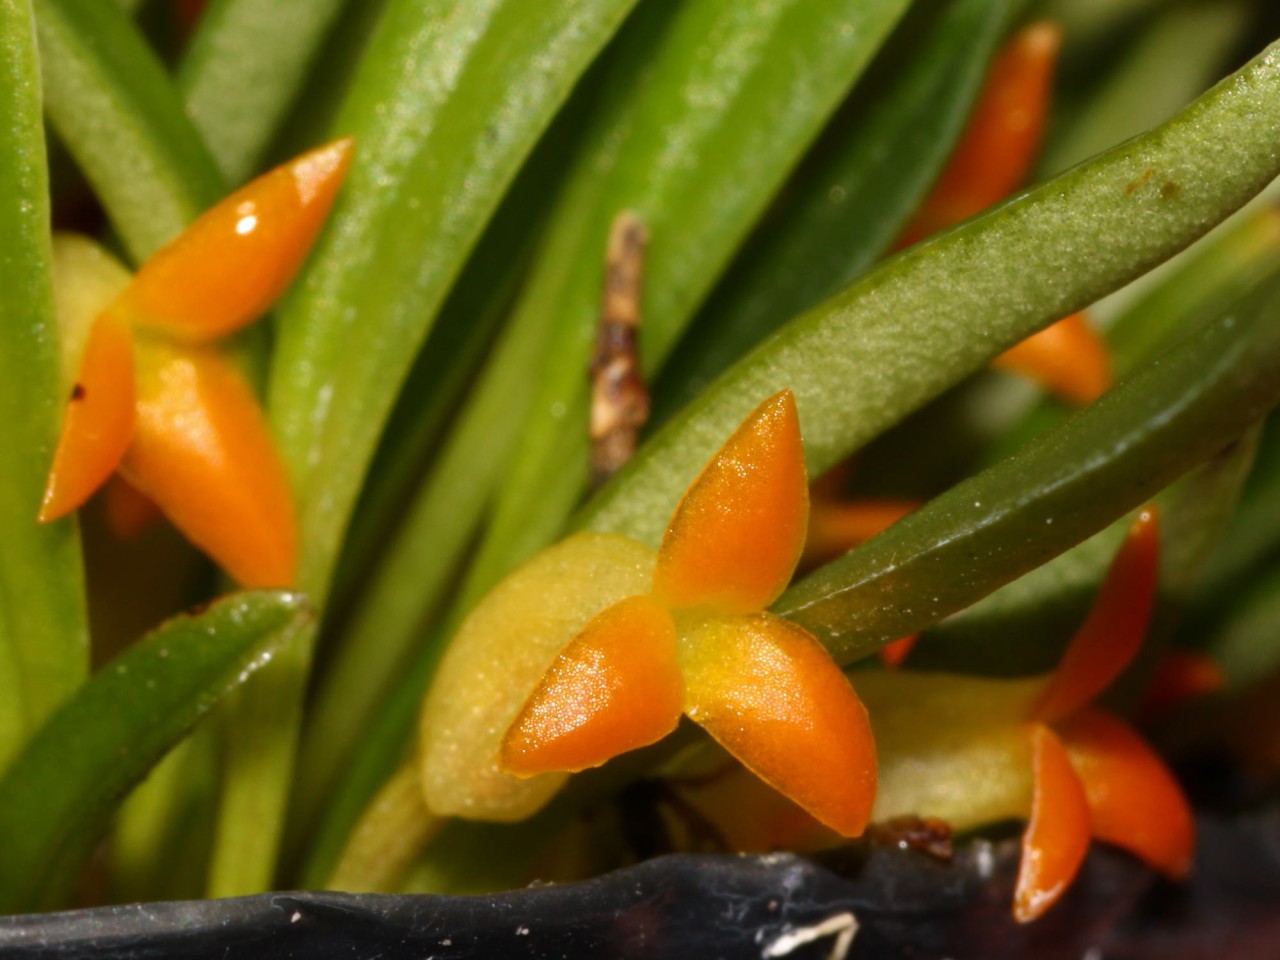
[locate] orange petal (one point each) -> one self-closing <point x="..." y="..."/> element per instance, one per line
<point x="614" y="688"/>
<point x="1113" y="631"/>
<point x="1067" y="357"/>
<point x="773" y="697"/>
<point x="1002" y="138"/>
<point x="1134" y="802"/>
<point x="836" y="528"/>
<point x="203" y="452"/>
<point x="1181" y="676"/>
<point x="128" y="510"/>
<point x="735" y="538"/>
<point x="1057" y="836"/>
<point x="892" y="654"/>
<point x="99" y="419"/>
<point x="232" y="263"/>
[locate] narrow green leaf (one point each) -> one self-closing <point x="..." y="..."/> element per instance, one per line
<point x="695" y="143"/>
<point x="1112" y="456"/>
<point x="847" y="202"/>
<point x="449" y="102"/>
<point x="244" y="65"/>
<point x="43" y="633"/>
<point x="115" y="106"/>
<point x="889" y="343"/>
<point x="56" y="797"/>
<point x="1244" y="642"/>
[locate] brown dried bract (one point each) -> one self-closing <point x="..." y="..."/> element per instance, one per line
<point x="619" y="397"/>
<point x="927" y="834"/>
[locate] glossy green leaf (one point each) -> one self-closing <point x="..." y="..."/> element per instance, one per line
<point x="115" y="106"/>
<point x="449" y="101"/>
<point x="694" y="144"/>
<point x="1244" y="642"/>
<point x="1110" y="457"/>
<point x="43" y="634"/>
<point x="242" y="69"/>
<point x="847" y="202"/>
<point x="56" y="796"/>
<point x="889" y="343"/>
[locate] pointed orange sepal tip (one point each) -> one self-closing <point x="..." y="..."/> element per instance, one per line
<point x="736" y="537"/>
<point x="235" y="260"/>
<point x="1181" y="676"/>
<point x="893" y="654"/>
<point x="128" y="511"/>
<point x="1068" y="358"/>
<point x="1057" y="836"/>
<point x="1113" y="631"/>
<point x="99" y="419"/>
<point x="1002" y="138"/>
<point x="203" y="452"/>
<point x="614" y="688"/>
<point x="836" y="528"/>
<point x="773" y="697"/>
<point x="1134" y="802"/>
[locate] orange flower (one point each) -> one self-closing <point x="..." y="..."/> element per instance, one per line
<point x="155" y="401"/>
<point x="1092" y="774"/>
<point x="701" y="643"/>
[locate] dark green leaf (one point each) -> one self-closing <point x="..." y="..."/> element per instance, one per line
<point x="1107" y="459"/>
<point x="56" y="796"/>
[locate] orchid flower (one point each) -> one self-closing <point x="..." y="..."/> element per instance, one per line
<point x="688" y="633"/>
<point x="155" y="400"/>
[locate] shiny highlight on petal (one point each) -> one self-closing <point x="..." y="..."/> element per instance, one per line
<point x="235" y="260"/>
<point x="615" y="687"/>
<point x="736" y="537"/>
<point x="202" y="450"/>
<point x="1057" y="836"/>
<point x="771" y="695"/>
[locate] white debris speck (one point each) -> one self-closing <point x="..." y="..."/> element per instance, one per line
<point x="522" y="931"/>
<point x="297" y="915"/>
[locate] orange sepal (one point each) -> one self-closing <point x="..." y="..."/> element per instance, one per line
<point x="736" y="537"/>
<point x="1003" y="135"/>
<point x="892" y="654"/>
<point x="1057" y="835"/>
<point x="99" y="419"/>
<point x="773" y="697"/>
<point x="1068" y="358"/>
<point x="1134" y="802"/>
<point x="614" y="688"/>
<point x="1113" y="631"/>
<point x="203" y="452"/>
<point x="236" y="259"/>
<point x="836" y="528"/>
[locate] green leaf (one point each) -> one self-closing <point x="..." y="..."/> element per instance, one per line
<point x="890" y="342"/>
<point x="695" y="142"/>
<point x="244" y="65"/>
<point x="56" y="797"/>
<point x="1173" y="414"/>
<point x="114" y="104"/>
<point x="43" y="634"/>
<point x="847" y="202"/>
<point x="449" y="102"/>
